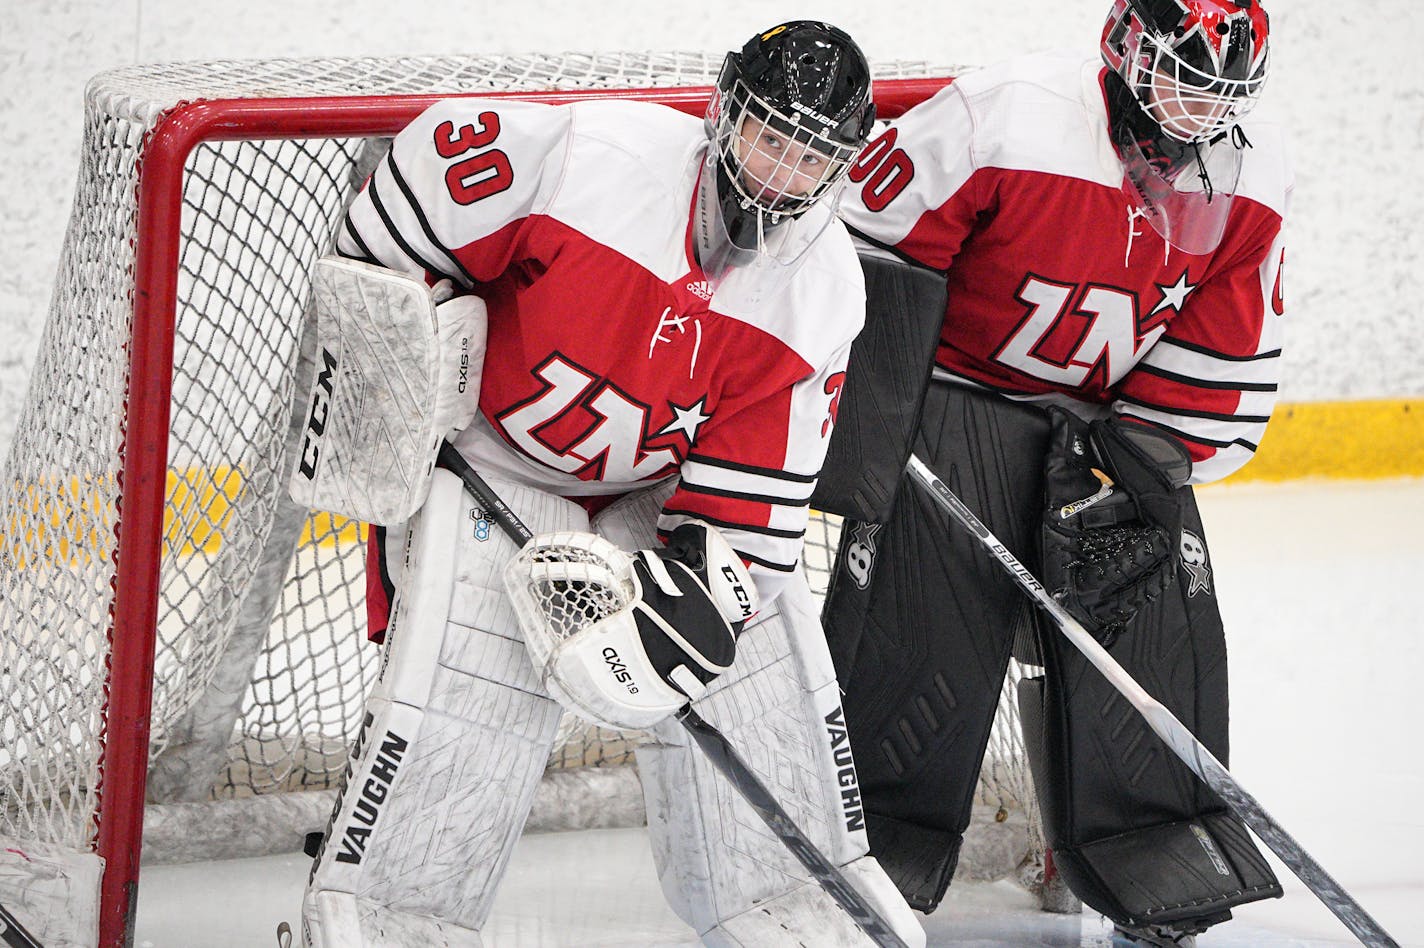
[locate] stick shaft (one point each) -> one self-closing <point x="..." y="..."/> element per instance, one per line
<point x="714" y="745"/>
<point x="1166" y="725"/>
<point x="12" y="933"/>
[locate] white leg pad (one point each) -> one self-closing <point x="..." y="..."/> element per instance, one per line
<point x="348" y="920"/>
<point x="456" y="735"/>
<point x="721" y="869"/>
<point x="801" y="917"/>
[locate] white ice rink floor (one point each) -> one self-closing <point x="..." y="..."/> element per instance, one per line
<point x="1319" y="584"/>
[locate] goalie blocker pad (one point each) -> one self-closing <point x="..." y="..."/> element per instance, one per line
<point x="889" y="369"/>
<point x="393" y="375"/>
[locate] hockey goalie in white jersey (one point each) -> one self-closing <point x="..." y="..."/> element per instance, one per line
<point x="665" y="307"/>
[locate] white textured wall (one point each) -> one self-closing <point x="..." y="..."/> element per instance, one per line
<point x="1348" y="81"/>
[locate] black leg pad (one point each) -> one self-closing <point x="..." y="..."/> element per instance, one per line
<point x="1179" y="873"/>
<point x="1188" y="872"/>
<point x="920" y="860"/>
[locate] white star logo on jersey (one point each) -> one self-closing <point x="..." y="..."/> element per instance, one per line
<point x="687" y="420"/>
<point x="1174" y="295"/>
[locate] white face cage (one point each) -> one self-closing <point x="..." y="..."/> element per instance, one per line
<point x="777" y="163"/>
<point x="1189" y="103"/>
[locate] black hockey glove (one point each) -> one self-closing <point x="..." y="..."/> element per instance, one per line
<point x="694" y="597"/>
<point x="1110" y="541"/>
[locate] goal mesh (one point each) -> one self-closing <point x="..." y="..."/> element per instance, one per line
<point x="260" y="665"/>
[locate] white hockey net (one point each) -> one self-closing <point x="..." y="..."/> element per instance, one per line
<point x="158" y="500"/>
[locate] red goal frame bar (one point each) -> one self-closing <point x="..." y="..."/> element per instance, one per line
<point x="144" y="435"/>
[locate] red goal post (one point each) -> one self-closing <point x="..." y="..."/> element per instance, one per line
<point x="143" y="495"/>
<point x="109" y="513"/>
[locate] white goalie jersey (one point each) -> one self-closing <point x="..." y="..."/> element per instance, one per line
<point x="611" y="362"/>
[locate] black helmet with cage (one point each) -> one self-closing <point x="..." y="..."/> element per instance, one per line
<point x="790" y="112"/>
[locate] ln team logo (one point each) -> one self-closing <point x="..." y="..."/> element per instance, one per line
<point x="614" y="446"/>
<point x="1054" y="343"/>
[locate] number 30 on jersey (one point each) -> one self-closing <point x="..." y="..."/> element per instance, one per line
<point x="485" y="171"/>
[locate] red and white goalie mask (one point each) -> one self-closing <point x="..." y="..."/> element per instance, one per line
<point x="1187" y="71"/>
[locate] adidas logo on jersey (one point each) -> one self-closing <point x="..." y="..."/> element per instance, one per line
<point x="700" y="289"/>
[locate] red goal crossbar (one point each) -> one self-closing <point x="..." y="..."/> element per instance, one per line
<point x="146" y="412"/>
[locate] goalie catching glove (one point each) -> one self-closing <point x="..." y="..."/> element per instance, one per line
<point x="626" y="639"/>
<point x="1114" y="520"/>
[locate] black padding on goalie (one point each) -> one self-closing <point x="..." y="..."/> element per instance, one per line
<point x="890" y="365"/>
<point x="920" y="625"/>
<point x="1185" y="872"/>
<point x="1135" y="834"/>
<point x="924" y="859"/>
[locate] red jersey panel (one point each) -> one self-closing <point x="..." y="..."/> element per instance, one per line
<point x="611" y="363"/>
<point x="1059" y="289"/>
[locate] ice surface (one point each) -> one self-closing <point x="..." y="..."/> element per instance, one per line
<point x="1319" y="586"/>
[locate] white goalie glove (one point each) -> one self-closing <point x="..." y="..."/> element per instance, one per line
<point x="626" y="639"/>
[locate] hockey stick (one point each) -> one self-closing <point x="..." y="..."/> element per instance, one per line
<point x="13" y="933"/>
<point x="714" y="745"/>
<point x="1166" y="725"/>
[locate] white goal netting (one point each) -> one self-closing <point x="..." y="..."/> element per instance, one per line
<point x="158" y="500"/>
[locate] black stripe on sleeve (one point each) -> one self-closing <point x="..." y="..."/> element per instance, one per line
<point x="395" y="233"/>
<point x="1193" y="412"/>
<point x="366" y="255"/>
<point x="729" y="525"/>
<point x="1203" y="350"/>
<point x="738" y="495"/>
<point x="1203" y="383"/>
<point x="424" y="220"/>
<point x="1197" y="439"/>
<point x="774" y="472"/>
